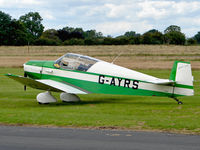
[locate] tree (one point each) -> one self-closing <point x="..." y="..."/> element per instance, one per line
<point x="191" y="41"/>
<point x="74" y="42"/>
<point x="197" y="37"/>
<point x="175" y="37"/>
<point x="33" y="23"/>
<point x="12" y="32"/>
<point x="51" y="34"/>
<point x="130" y="34"/>
<point x="63" y="35"/>
<point x="172" y="28"/>
<point x="45" y="41"/>
<point x="89" y="34"/>
<point x="18" y="34"/>
<point x="68" y="33"/>
<point x="108" y="41"/>
<point x="133" y="37"/>
<point x="152" y="37"/>
<point x="71" y="29"/>
<point x="5" y="22"/>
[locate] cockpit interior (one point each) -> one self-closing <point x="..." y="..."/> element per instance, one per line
<point x="75" y="62"/>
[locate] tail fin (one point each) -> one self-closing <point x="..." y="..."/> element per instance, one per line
<point x="182" y="75"/>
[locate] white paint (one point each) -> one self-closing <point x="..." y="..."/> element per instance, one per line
<point x="109" y="69"/>
<point x="184" y="74"/>
<point x="115" y="70"/>
<point x="61" y="86"/>
<point x="45" y="98"/>
<point x="66" y="97"/>
<point x="183" y="91"/>
<point x="34" y="69"/>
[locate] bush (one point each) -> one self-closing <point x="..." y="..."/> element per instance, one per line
<point x="74" y="42"/>
<point x="108" y="41"/>
<point x="90" y="41"/>
<point x="152" y="37"/>
<point x="45" y="41"/>
<point x="175" y="37"/>
<point x="191" y="41"/>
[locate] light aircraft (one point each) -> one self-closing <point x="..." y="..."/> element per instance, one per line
<point x="74" y="74"/>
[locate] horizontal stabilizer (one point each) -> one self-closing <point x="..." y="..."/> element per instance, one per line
<point x="48" y="85"/>
<point x="162" y="82"/>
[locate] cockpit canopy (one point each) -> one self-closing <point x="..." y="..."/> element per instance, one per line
<point x="75" y="62"/>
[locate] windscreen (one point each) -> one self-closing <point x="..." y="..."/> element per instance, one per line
<point x="75" y="62"/>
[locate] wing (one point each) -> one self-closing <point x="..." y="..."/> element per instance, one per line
<point x="48" y="85"/>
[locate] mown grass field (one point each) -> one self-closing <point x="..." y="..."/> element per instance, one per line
<point x="132" y="56"/>
<point x="101" y="111"/>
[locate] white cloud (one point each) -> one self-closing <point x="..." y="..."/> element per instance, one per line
<point x="28" y="2"/>
<point x="47" y="15"/>
<point x="186" y="7"/>
<point x="112" y="17"/>
<point x="111" y="28"/>
<point x="19" y="3"/>
<point x="154" y="9"/>
<point x="115" y="11"/>
<point x="117" y="28"/>
<point x="163" y="9"/>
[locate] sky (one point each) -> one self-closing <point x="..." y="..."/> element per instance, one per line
<point x="111" y="17"/>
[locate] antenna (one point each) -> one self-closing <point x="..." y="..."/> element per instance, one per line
<point x="116" y="57"/>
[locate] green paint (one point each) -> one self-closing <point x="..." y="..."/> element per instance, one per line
<point x="33" y="75"/>
<point x="173" y="75"/>
<point x="184" y="86"/>
<point x="173" y="71"/>
<point x="38" y="63"/>
<point x="95" y="87"/>
<point x="49" y="64"/>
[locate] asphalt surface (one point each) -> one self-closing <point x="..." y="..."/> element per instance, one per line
<point x="33" y="138"/>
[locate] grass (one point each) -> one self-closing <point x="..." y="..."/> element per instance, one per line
<point x="132" y="56"/>
<point x="100" y="111"/>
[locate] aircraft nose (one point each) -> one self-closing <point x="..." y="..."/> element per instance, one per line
<point x="33" y="68"/>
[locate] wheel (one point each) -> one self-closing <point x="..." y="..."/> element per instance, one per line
<point x="180" y="103"/>
<point x="43" y="103"/>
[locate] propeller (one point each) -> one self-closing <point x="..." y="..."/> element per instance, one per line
<point x="25" y="75"/>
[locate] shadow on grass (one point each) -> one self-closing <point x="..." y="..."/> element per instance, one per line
<point x="115" y="101"/>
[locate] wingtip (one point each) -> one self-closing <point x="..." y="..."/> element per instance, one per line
<point x="8" y="74"/>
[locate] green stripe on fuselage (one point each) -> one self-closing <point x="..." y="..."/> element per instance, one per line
<point x="50" y="64"/>
<point x="95" y="87"/>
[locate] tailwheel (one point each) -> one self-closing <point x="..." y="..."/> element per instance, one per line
<point x="179" y="102"/>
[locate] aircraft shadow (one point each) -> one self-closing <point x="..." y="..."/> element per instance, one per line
<point x="111" y="101"/>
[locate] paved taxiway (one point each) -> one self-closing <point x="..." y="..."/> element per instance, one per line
<point x="32" y="138"/>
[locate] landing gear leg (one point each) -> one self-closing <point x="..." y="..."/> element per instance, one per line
<point x="179" y="102"/>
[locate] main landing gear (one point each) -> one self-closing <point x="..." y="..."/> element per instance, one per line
<point x="46" y="98"/>
<point x="179" y="102"/>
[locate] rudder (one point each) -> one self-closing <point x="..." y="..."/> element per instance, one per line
<point x="182" y="75"/>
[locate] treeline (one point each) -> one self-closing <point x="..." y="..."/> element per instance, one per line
<point x="28" y="30"/>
